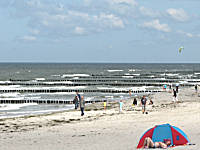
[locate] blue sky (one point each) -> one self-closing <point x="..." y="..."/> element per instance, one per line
<point x="123" y="31"/>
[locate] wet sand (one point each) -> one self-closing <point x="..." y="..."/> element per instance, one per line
<point x="103" y="129"/>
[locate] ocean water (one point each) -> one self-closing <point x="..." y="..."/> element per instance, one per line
<point x="93" y="76"/>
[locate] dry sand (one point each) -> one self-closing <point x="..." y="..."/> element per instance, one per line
<point x="103" y="130"/>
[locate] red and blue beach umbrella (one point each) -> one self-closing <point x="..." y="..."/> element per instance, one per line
<point x="165" y="131"/>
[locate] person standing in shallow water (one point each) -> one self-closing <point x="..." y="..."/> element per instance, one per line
<point x="82" y="105"/>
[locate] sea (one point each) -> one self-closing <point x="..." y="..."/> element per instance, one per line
<point x="15" y="78"/>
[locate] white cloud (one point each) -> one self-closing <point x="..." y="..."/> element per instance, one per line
<point x="33" y="3"/>
<point x="79" y="30"/>
<point x="34" y="31"/>
<point x="58" y="20"/>
<point x="128" y="2"/>
<point x="190" y="35"/>
<point x="155" y="24"/>
<point x="109" y="20"/>
<point x="28" y="38"/>
<point x="77" y="14"/>
<point x="52" y="19"/>
<point x="149" y="12"/>
<point x="87" y="2"/>
<point x="178" y="14"/>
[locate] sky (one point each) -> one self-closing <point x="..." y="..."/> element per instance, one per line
<point x="100" y="31"/>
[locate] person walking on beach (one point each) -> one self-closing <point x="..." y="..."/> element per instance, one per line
<point x="174" y="95"/>
<point x="177" y="86"/>
<point x="82" y="105"/>
<point x="78" y="96"/>
<point x="75" y="101"/>
<point x="143" y="102"/>
<point x="196" y="88"/>
<point x="170" y="86"/>
<point x="120" y="106"/>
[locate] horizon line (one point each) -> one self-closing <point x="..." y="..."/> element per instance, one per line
<point x="106" y="62"/>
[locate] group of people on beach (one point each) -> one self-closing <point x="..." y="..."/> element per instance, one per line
<point x="143" y="103"/>
<point x="174" y="91"/>
<point x="79" y="100"/>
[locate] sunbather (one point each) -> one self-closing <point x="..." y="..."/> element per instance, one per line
<point x="148" y="143"/>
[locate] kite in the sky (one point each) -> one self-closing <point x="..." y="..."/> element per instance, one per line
<point x="180" y="49"/>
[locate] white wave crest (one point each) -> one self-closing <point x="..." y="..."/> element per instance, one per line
<point x="75" y="75"/>
<point x="15" y="106"/>
<point x="115" y="70"/>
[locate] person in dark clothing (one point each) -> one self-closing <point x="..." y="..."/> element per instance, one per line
<point x="143" y="102"/>
<point x="196" y="88"/>
<point x="82" y="105"/>
<point x="151" y="102"/>
<point x="174" y="95"/>
<point x="75" y="102"/>
<point x="78" y="96"/>
<point x="170" y="86"/>
<point x="177" y="86"/>
<point x="135" y="101"/>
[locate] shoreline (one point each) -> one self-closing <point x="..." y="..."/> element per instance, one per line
<point x="111" y="109"/>
<point x="100" y="127"/>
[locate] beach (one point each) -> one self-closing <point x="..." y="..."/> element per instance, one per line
<point x="103" y="129"/>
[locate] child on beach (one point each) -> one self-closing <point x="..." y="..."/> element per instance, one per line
<point x="104" y="104"/>
<point x="165" y="87"/>
<point x="120" y="106"/>
<point x="134" y="102"/>
<point x="129" y="93"/>
<point x="151" y="102"/>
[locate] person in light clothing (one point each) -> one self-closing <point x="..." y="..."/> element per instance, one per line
<point x="82" y="105"/>
<point x="104" y="105"/>
<point x="120" y="106"/>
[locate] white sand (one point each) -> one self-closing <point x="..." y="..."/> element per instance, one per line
<point x="99" y="130"/>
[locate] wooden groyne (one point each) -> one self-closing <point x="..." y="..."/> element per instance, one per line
<point x="83" y="83"/>
<point x="75" y="90"/>
<point x="98" y="80"/>
<point x="52" y="101"/>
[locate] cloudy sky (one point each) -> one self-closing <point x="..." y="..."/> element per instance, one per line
<point x="123" y="31"/>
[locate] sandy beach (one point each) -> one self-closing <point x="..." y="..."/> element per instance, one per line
<point x="103" y="129"/>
